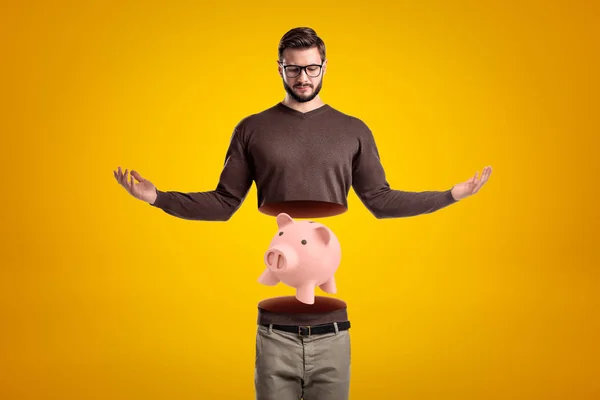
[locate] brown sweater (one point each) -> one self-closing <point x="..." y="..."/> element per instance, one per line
<point x="303" y="164"/>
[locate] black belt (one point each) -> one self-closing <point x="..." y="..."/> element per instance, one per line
<point x="302" y="330"/>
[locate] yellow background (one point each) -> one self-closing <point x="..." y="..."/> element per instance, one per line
<point x="105" y="297"/>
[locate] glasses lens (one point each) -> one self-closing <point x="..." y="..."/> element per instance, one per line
<point x="313" y="70"/>
<point x="292" y="72"/>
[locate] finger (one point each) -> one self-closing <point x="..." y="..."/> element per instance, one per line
<point x="121" y="176"/>
<point x="479" y="185"/>
<point x="486" y="175"/>
<point x="132" y="185"/>
<point x="126" y="179"/>
<point x="477" y="182"/>
<point x="474" y="178"/>
<point x="137" y="176"/>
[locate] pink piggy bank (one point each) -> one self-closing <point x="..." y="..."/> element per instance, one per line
<point x="303" y="255"/>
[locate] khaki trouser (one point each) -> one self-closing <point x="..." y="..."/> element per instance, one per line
<point x="292" y="367"/>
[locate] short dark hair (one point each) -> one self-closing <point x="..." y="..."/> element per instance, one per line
<point x="301" y="38"/>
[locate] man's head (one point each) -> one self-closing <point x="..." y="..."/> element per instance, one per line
<point x="298" y="48"/>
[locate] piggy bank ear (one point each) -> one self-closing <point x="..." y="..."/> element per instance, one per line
<point x="323" y="234"/>
<point x="283" y="219"/>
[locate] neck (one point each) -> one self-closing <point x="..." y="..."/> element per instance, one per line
<point x="303" y="107"/>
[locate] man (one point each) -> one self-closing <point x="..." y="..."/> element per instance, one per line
<point x="304" y="156"/>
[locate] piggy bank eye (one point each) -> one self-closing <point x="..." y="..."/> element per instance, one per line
<point x="280" y="233"/>
<point x="303" y="241"/>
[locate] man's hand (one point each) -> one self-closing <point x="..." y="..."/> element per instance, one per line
<point x="472" y="186"/>
<point x="144" y="190"/>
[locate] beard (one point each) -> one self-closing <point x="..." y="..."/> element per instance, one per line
<point x="303" y="98"/>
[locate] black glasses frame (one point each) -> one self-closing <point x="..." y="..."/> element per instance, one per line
<point x="285" y="67"/>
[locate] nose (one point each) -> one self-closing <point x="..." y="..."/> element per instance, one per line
<point x="303" y="77"/>
<point x="303" y="74"/>
<point x="275" y="260"/>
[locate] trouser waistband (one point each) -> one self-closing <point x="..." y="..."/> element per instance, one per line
<point x="311" y="329"/>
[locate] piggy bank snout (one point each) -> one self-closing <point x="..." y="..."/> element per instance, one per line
<point x="280" y="259"/>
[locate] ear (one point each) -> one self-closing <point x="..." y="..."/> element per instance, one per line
<point x="323" y="234"/>
<point x="283" y="220"/>
<point x="279" y="68"/>
<point x="325" y="66"/>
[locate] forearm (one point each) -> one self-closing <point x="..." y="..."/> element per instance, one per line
<point x="215" y="205"/>
<point x="389" y="203"/>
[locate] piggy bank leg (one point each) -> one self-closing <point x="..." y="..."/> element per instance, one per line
<point x="268" y="278"/>
<point x="329" y="286"/>
<point x="306" y="293"/>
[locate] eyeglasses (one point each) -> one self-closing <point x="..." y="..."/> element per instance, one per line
<point x="292" y="71"/>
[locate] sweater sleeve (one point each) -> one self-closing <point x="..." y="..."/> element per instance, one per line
<point x="370" y="185"/>
<point x="219" y="204"/>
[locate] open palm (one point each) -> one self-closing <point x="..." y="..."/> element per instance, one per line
<point x="142" y="190"/>
<point x="472" y="186"/>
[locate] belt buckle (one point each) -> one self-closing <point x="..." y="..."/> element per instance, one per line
<point x="300" y="330"/>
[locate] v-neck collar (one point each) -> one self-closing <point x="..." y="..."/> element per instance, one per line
<point x="308" y="114"/>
